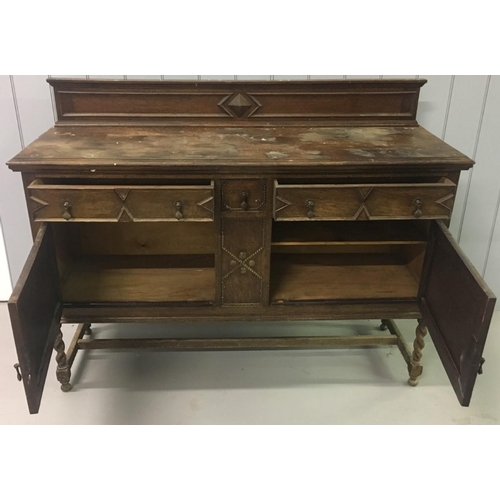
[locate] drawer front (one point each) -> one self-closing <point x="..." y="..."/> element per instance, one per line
<point x="244" y="195"/>
<point x="363" y="201"/>
<point x="81" y="203"/>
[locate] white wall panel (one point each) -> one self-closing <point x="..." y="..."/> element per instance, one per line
<point x="363" y="77"/>
<point x="143" y="77"/>
<point x="288" y="77"/>
<point x="13" y="210"/>
<point x="108" y="77"/>
<point x="179" y="77"/>
<point x="35" y="106"/>
<point x="217" y="77"/>
<point x="5" y="281"/>
<point x="462" y="132"/>
<point x="433" y="103"/>
<point x="492" y="267"/>
<point x="485" y="183"/>
<point x="253" y="77"/>
<point x="399" y="77"/>
<point x="326" y="77"/>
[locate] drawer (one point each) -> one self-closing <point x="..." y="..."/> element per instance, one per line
<point x="244" y="195"/>
<point x="114" y="203"/>
<point x="364" y="201"/>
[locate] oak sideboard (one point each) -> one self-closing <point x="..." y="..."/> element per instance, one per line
<point x="163" y="201"/>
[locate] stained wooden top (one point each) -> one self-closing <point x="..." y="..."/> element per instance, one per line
<point x="164" y="148"/>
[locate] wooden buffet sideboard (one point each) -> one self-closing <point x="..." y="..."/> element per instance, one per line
<point x="160" y="201"/>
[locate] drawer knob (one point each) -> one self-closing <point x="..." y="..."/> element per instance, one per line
<point x="233" y="263"/>
<point x="417" y="202"/>
<point x="310" y="205"/>
<point x="251" y="263"/>
<point x="178" y="208"/>
<point x="67" y="210"/>
<point x="243" y="270"/>
<point x="242" y="255"/>
<point x="244" y="200"/>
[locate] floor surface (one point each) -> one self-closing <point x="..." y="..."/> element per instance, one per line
<point x="355" y="386"/>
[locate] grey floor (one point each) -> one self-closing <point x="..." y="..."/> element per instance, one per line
<point x="360" y="386"/>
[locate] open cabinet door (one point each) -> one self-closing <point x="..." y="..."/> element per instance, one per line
<point x="35" y="311"/>
<point x="457" y="306"/>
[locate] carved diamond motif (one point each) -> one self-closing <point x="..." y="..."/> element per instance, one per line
<point x="239" y="105"/>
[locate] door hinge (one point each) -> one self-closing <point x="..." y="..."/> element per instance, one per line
<point x="18" y="370"/>
<point x="481" y="363"/>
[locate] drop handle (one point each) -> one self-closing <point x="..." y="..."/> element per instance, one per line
<point x="178" y="208"/>
<point x="417" y="202"/>
<point x="67" y="210"/>
<point x="244" y="200"/>
<point x="480" y="369"/>
<point x="310" y="205"/>
<point x="18" y="370"/>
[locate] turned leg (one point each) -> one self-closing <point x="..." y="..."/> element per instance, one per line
<point x="63" y="371"/>
<point x="415" y="367"/>
<point x="88" y="330"/>
<point x="383" y="325"/>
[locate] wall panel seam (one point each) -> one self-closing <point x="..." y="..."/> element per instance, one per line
<point x="51" y="90"/>
<point x="16" y="108"/>
<point x="448" y="106"/>
<point x="492" y="233"/>
<point x="474" y="153"/>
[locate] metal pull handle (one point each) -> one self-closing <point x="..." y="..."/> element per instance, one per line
<point x="67" y="210"/>
<point x="417" y="202"/>
<point x="178" y="207"/>
<point x="18" y="370"/>
<point x="244" y="200"/>
<point x="481" y="363"/>
<point x="310" y="205"/>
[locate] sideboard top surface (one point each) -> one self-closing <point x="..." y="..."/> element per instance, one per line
<point x="237" y="147"/>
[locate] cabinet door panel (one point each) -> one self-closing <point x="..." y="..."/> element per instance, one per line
<point x="35" y="310"/>
<point x="457" y="306"/>
<point x="244" y="265"/>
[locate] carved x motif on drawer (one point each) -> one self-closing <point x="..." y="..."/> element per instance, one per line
<point x="363" y="212"/>
<point x="125" y="214"/>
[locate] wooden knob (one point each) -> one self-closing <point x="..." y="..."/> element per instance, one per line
<point x="244" y="200"/>
<point x="67" y="210"/>
<point x="310" y="205"/>
<point x="178" y="207"/>
<point x="417" y="202"/>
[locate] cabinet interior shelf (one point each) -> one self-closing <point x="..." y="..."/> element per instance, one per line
<point x="177" y="279"/>
<point x="329" y="277"/>
<point x="319" y="233"/>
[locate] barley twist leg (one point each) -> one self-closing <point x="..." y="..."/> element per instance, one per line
<point x="63" y="372"/>
<point x="415" y="368"/>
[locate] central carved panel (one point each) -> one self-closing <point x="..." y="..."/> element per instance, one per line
<point x="243" y="243"/>
<point x="240" y="105"/>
